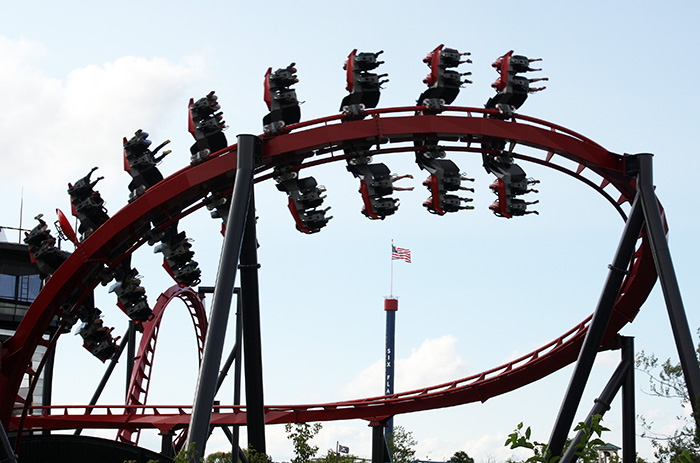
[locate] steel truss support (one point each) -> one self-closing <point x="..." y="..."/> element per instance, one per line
<point x="234" y="354"/>
<point x="231" y="438"/>
<point x="108" y="372"/>
<point x="596" y="329"/>
<point x="130" y="355"/>
<point x="380" y="449"/>
<point x="629" y="435"/>
<point x="252" y="345"/>
<point x="623" y="377"/>
<point x="645" y="211"/>
<point x="235" y="435"/>
<point x="669" y="283"/>
<point x="167" y="449"/>
<point x="248" y="147"/>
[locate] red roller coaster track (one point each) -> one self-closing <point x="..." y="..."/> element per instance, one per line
<point x="316" y="142"/>
<point x="140" y="381"/>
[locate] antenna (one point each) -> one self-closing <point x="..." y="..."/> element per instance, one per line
<point x="21" y="208"/>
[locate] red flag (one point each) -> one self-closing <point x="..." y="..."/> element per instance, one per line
<point x="400" y="254"/>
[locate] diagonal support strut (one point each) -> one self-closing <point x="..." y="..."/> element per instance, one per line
<point x="596" y="329"/>
<point x="223" y="294"/>
<point x="669" y="282"/>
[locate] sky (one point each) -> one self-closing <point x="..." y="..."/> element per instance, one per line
<point x="480" y="290"/>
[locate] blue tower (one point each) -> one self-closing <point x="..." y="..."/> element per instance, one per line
<point x="391" y="306"/>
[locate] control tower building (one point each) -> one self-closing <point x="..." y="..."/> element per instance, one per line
<point x="20" y="283"/>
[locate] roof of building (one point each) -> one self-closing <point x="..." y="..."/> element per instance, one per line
<point x="607" y="447"/>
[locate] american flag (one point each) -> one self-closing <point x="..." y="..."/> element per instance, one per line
<point x="400" y="254"/>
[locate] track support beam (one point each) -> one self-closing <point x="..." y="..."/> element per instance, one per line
<point x="252" y="344"/>
<point x="223" y="293"/>
<point x="166" y="444"/>
<point x="669" y="282"/>
<point x="108" y="372"/>
<point x="629" y="435"/>
<point x="596" y="329"/>
<point x="235" y="441"/>
<point x="234" y="354"/>
<point x="619" y="379"/>
<point x="130" y="355"/>
<point x="380" y="450"/>
<point x="645" y="211"/>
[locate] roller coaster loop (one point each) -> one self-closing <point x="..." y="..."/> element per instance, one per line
<point x="303" y="145"/>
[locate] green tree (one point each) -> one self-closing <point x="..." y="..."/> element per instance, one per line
<point x="254" y="457"/>
<point x="666" y="380"/>
<point x="300" y="434"/>
<point x="585" y="451"/>
<point x="401" y="445"/>
<point x="461" y="456"/>
<point x="332" y="457"/>
<point x="219" y="457"/>
<point x="188" y="455"/>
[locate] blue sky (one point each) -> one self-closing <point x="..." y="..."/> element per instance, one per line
<point x="78" y="77"/>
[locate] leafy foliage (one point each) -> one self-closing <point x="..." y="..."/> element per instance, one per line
<point x="585" y="450"/>
<point x="219" y="457"/>
<point x="332" y="457"/>
<point x="300" y="434"/>
<point x="187" y="455"/>
<point x="521" y="439"/>
<point x="401" y="445"/>
<point x="254" y="456"/>
<point x="666" y="380"/>
<point x="461" y="457"/>
<point x="684" y="457"/>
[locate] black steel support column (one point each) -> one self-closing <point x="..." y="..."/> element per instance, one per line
<point x="602" y="403"/>
<point x="233" y="355"/>
<point x="130" y="355"/>
<point x="223" y="293"/>
<point x="252" y="344"/>
<point x="629" y="436"/>
<point x="234" y="358"/>
<point x="596" y="329"/>
<point x="380" y="452"/>
<point x="108" y="372"/>
<point x="166" y="444"/>
<point x="242" y="456"/>
<point x="669" y="283"/>
<point x="236" y="432"/>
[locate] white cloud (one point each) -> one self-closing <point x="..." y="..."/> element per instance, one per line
<point x="490" y="447"/>
<point x="53" y="131"/>
<point x="17" y="51"/>
<point x="435" y="361"/>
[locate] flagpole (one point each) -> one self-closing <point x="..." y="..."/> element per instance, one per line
<point x="21" y="211"/>
<point x="391" y="284"/>
<point x="391" y="305"/>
